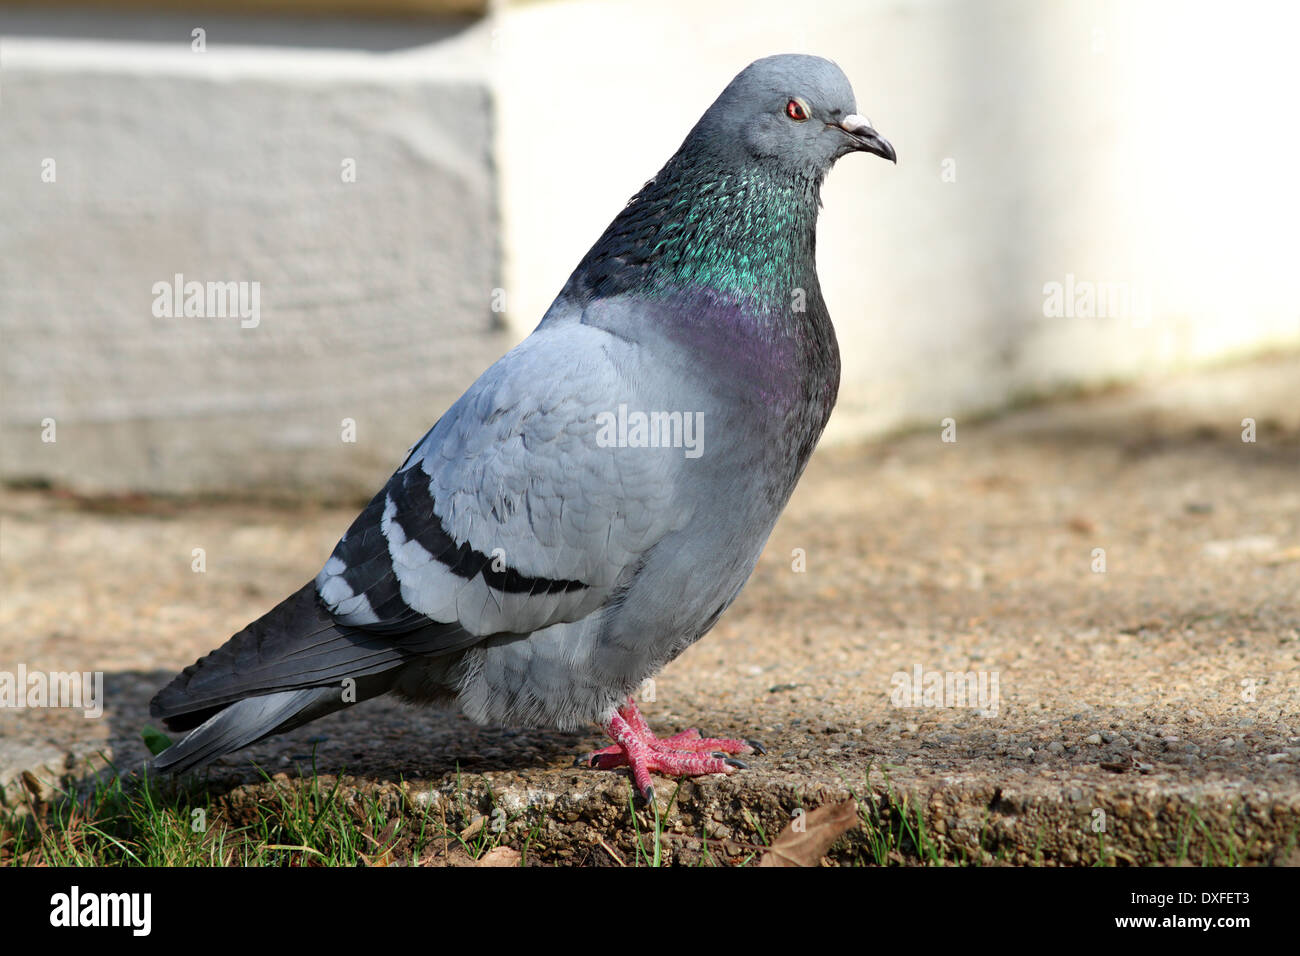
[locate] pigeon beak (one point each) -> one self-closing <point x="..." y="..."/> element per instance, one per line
<point x="867" y="139"/>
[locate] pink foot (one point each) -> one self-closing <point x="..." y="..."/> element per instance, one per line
<point x="686" y="754"/>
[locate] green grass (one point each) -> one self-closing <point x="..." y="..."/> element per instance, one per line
<point x="895" y="833"/>
<point x="126" y="820"/>
<point x="1220" y="849"/>
<point x="136" y="821"/>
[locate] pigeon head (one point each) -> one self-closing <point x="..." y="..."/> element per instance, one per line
<point x="792" y="112"/>
<point x="732" y="215"/>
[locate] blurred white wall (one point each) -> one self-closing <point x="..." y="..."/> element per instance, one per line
<point x="343" y="166"/>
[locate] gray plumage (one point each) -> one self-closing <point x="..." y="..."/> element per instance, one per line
<point x="520" y="565"/>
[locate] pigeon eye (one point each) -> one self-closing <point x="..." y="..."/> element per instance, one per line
<point x="797" y="110"/>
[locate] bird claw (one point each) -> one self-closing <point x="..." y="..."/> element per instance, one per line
<point x="685" y="754"/>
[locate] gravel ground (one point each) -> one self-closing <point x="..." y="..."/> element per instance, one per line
<point x="1146" y="713"/>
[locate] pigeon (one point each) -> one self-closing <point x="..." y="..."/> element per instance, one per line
<point x="596" y="500"/>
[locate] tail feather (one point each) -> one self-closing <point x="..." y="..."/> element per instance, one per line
<point x="239" y="725"/>
<point x="281" y="671"/>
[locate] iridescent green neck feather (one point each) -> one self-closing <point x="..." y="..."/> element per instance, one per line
<point x="741" y="235"/>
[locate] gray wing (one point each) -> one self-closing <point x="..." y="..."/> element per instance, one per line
<point x="511" y="515"/>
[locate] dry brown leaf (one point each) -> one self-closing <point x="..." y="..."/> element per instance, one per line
<point x="500" y="856"/>
<point x="471" y="831"/>
<point x="384" y="844"/>
<point x="807" y="838"/>
<point x="32" y="784"/>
